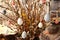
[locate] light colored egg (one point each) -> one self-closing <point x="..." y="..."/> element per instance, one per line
<point x="24" y="34"/>
<point x="47" y="17"/>
<point x="40" y="25"/>
<point x="20" y="21"/>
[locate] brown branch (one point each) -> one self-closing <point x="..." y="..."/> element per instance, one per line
<point x="18" y="3"/>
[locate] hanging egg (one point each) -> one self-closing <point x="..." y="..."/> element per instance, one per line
<point x="24" y="34"/>
<point x="20" y="21"/>
<point x="40" y="25"/>
<point x="47" y="17"/>
<point x="3" y="11"/>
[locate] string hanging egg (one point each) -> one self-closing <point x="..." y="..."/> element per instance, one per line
<point x="47" y="17"/>
<point x="24" y="34"/>
<point x="20" y="21"/>
<point x="40" y="25"/>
